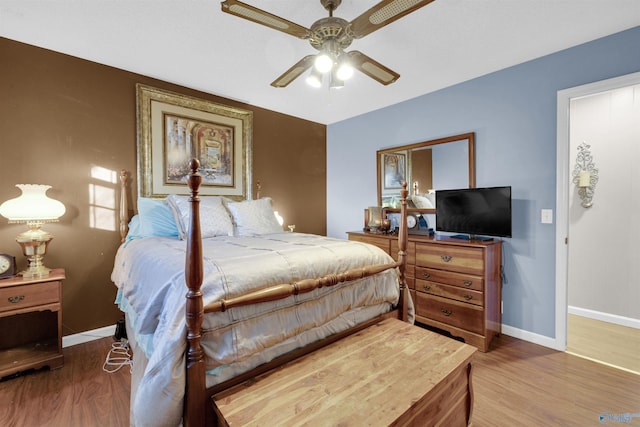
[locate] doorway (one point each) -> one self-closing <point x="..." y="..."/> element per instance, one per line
<point x="596" y="256"/>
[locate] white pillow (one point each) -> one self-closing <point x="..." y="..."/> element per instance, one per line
<point x="422" y="202"/>
<point x="253" y="217"/>
<point x="214" y="218"/>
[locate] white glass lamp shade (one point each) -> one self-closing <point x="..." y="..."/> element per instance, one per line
<point x="32" y="206"/>
<point x="314" y="79"/>
<point x="335" y="82"/>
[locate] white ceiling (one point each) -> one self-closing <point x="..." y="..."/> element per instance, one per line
<point x="194" y="44"/>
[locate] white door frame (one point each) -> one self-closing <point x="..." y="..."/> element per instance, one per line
<point x="563" y="179"/>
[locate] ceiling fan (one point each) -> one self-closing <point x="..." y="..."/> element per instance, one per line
<point x="331" y="36"/>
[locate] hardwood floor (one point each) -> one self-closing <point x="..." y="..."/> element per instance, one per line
<point x="78" y="394"/>
<point x="515" y="384"/>
<point x="522" y="384"/>
<point x="604" y="342"/>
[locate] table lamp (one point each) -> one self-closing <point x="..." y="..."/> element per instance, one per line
<point x="34" y="208"/>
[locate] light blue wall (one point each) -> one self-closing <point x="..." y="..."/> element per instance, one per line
<point x="513" y="113"/>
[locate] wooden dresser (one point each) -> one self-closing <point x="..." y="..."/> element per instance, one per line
<point x="456" y="285"/>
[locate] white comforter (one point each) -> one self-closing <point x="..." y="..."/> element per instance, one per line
<point x="149" y="274"/>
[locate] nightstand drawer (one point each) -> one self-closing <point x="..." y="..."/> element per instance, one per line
<point x="451" y="257"/>
<point x="17" y="297"/>
<point x="452" y="292"/>
<point x="458" y="314"/>
<point x="465" y="281"/>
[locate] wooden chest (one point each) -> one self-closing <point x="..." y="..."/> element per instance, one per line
<point x="390" y="374"/>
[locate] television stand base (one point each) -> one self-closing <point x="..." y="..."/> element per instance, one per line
<point x="461" y="236"/>
<point x="472" y="237"/>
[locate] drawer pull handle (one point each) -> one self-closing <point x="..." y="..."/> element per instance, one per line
<point x="427" y="287"/>
<point x="446" y="258"/>
<point x="467" y="297"/>
<point x="15" y="300"/>
<point x="446" y="312"/>
<point x="426" y="275"/>
<point x="467" y="282"/>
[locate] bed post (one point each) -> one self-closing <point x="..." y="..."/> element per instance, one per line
<point x="403" y="303"/>
<point x="124" y="209"/>
<point x="195" y="392"/>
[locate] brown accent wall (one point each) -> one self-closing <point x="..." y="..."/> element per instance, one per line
<point x="423" y="175"/>
<point x="62" y="118"/>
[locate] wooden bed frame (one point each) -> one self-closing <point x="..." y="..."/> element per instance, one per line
<point x="198" y="408"/>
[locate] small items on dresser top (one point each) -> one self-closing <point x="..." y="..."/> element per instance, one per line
<point x="7" y="266"/>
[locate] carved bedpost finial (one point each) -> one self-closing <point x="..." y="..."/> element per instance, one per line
<point x="194" y="165"/>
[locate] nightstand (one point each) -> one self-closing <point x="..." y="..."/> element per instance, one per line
<point x="31" y="323"/>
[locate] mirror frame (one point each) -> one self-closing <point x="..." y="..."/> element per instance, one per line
<point x="470" y="137"/>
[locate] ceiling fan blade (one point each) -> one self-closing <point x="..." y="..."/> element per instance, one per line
<point x="259" y="16"/>
<point x="372" y="68"/>
<point x="384" y="13"/>
<point x="294" y="72"/>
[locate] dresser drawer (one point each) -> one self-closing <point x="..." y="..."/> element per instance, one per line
<point x="382" y="243"/>
<point x="465" y="281"/>
<point x="452" y="292"/>
<point x="458" y="314"/>
<point x="17" y="297"/>
<point x="451" y="257"/>
<point x="410" y="276"/>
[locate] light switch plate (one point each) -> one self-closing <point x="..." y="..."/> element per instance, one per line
<point x="546" y="216"/>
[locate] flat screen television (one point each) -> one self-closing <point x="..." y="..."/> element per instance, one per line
<point x="474" y="212"/>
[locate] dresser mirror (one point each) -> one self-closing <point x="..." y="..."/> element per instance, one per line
<point x="439" y="164"/>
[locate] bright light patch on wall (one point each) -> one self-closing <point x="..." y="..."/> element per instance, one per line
<point x="102" y="199"/>
<point x="278" y="217"/>
<point x="104" y="174"/>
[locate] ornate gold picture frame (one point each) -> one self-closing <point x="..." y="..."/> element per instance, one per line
<point x="174" y="128"/>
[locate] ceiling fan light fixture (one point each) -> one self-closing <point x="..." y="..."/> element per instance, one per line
<point x="323" y="62"/>
<point x="330" y="36"/>
<point x="344" y="71"/>
<point x="314" y="79"/>
<point x="335" y="81"/>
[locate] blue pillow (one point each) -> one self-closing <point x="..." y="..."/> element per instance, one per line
<point x="134" y="229"/>
<point x="155" y="218"/>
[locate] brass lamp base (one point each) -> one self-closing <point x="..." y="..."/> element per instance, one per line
<point x="34" y="243"/>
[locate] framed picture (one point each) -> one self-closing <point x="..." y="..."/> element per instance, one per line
<point x="174" y="128"/>
<point x="394" y="170"/>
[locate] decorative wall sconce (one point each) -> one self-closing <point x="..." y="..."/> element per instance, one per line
<point x="585" y="175"/>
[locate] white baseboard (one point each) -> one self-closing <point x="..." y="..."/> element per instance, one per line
<point x="533" y="337"/>
<point x="605" y="317"/>
<point x="109" y="331"/>
<point x="86" y="336"/>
